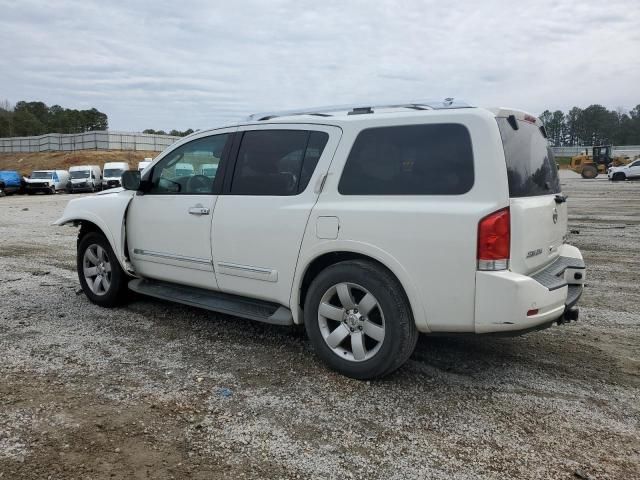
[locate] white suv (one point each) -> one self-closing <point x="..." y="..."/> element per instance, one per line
<point x="367" y="225"/>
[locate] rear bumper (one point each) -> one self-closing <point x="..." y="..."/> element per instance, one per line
<point x="511" y="302"/>
<point x="10" y="188"/>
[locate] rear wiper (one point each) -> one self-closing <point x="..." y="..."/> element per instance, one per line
<point x="561" y="198"/>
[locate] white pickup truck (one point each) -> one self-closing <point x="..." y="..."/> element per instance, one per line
<point x="625" y="172"/>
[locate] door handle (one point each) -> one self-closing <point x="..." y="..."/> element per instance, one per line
<point x="198" y="211"/>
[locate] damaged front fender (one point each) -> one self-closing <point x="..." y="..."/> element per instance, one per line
<point x="107" y="211"/>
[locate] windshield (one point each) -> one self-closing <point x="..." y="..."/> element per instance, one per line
<point x="531" y="167"/>
<point x="41" y="175"/>
<point x="79" y="174"/>
<point x="113" y="172"/>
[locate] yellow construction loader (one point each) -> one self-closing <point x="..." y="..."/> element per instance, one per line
<point x="589" y="166"/>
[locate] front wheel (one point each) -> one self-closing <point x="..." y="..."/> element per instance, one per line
<point x="618" y="177"/>
<point x="589" y="172"/>
<point x="101" y="277"/>
<point x="359" y="320"/>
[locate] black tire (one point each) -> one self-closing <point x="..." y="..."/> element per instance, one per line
<point x="589" y="172"/>
<point x="400" y="333"/>
<point x="618" y="177"/>
<point x="116" y="294"/>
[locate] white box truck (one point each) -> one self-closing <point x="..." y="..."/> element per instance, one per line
<point x="47" y="181"/>
<point x="144" y="163"/>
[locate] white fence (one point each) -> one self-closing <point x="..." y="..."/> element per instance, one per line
<point x="98" y="140"/>
<point x="629" y="150"/>
<point x="107" y="140"/>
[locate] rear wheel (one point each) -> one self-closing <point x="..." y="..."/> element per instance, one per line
<point x="101" y="277"/>
<point x="359" y="320"/>
<point x="618" y="177"/>
<point x="589" y="172"/>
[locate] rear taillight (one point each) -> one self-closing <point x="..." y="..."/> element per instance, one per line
<point x="494" y="241"/>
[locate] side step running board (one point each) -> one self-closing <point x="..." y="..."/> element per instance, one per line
<point x="258" y="310"/>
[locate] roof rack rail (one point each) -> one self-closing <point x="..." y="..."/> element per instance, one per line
<point x="361" y="108"/>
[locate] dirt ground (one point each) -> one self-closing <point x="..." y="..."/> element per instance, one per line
<point x="25" y="163"/>
<point x="156" y="390"/>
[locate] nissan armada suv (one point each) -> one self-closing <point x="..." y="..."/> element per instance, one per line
<point x="366" y="224"/>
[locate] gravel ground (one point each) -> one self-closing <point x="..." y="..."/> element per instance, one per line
<point x="156" y="390"/>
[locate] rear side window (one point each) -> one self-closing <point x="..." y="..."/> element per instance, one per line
<point x="434" y="159"/>
<point x="531" y="167"/>
<point x="276" y="162"/>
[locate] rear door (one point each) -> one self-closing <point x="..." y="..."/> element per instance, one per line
<point x="260" y="219"/>
<point x="538" y="209"/>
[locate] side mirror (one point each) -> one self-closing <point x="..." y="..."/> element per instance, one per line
<point x="131" y="180"/>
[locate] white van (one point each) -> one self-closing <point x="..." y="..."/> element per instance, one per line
<point x="112" y="173"/>
<point x="143" y="164"/>
<point x="47" y="181"/>
<point x="209" y="169"/>
<point x="85" y="178"/>
<point x="184" y="170"/>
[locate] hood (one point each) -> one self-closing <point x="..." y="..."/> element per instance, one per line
<point x="38" y="180"/>
<point x="111" y="191"/>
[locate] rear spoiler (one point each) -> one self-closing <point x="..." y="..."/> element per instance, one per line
<point x="518" y="114"/>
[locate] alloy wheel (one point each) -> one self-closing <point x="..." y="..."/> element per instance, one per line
<point x="96" y="268"/>
<point x="351" y="322"/>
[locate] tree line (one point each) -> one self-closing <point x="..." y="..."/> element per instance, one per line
<point x="594" y="125"/>
<point x="36" y="118"/>
<point x="175" y="133"/>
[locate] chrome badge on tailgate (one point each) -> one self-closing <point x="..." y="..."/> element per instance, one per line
<point x="533" y="253"/>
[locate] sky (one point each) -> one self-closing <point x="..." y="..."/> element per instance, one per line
<point x="200" y="64"/>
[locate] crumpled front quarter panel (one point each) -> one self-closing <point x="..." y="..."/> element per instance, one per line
<point x="107" y="211"/>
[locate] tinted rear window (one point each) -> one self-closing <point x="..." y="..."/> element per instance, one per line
<point x="531" y="167"/>
<point x="434" y="159"/>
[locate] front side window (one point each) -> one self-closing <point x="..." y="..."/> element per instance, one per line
<point x="276" y="162"/>
<point x="434" y="159"/>
<point x="190" y="168"/>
